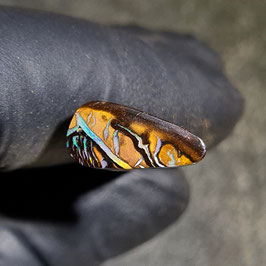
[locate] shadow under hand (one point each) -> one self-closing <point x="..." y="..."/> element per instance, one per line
<point x="48" y="193"/>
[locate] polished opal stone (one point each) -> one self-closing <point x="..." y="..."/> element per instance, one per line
<point x="109" y="135"/>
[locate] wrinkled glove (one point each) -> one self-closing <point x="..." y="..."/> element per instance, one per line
<point x="56" y="213"/>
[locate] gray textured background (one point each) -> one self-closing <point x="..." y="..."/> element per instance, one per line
<point x="225" y="223"/>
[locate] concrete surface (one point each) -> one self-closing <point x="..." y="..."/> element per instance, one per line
<point x="225" y="223"/>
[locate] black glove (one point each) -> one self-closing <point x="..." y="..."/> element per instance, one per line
<point x="56" y="213"/>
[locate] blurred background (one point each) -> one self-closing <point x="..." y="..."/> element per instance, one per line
<point x="225" y="223"/>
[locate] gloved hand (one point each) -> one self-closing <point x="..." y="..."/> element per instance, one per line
<point x="61" y="214"/>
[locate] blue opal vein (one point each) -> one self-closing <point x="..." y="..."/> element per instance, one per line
<point x="106" y="130"/>
<point x="82" y="124"/>
<point x="116" y="142"/>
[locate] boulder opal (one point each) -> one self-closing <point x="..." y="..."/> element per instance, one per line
<point x="109" y="135"/>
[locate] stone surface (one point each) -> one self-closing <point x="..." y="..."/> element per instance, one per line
<point x="109" y="135"/>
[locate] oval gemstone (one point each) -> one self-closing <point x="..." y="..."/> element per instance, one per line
<point x="109" y="135"/>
